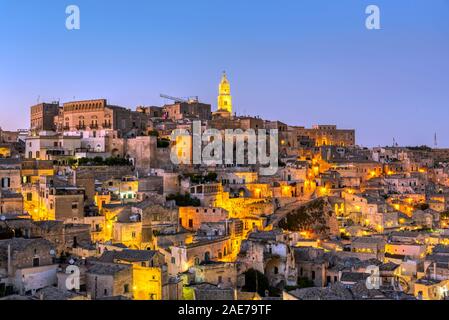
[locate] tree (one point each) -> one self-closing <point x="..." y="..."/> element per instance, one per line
<point x="72" y="162"/>
<point x="211" y="177"/>
<point x="305" y="283"/>
<point x="163" y="143"/>
<point x="444" y="215"/>
<point x="184" y="200"/>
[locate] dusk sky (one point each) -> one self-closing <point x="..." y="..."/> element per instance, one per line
<point x="301" y="62"/>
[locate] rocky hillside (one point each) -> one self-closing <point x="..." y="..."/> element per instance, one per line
<point x="316" y="216"/>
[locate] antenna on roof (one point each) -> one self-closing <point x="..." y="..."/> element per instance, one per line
<point x="38" y="98"/>
<point x="435" y="141"/>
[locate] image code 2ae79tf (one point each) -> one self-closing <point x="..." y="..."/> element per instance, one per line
<point x="250" y="152"/>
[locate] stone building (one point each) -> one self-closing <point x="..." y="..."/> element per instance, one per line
<point x="11" y="202"/>
<point x="27" y="265"/>
<point x="327" y="135"/>
<point x="311" y="264"/>
<point x="366" y="248"/>
<point x="10" y="179"/>
<point x="63" y="203"/>
<point x="150" y="277"/>
<point x="191" y="109"/>
<point x="94" y="115"/>
<point x="42" y="116"/>
<point x="180" y="258"/>
<point x="191" y="218"/>
<point x="51" y="146"/>
<point x="223" y="274"/>
<point x="64" y="236"/>
<point x="109" y="280"/>
<point x="142" y="152"/>
<point x="268" y="253"/>
<point x="207" y="291"/>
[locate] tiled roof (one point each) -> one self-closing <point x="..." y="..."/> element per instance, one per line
<point x="128" y="255"/>
<point x="107" y="268"/>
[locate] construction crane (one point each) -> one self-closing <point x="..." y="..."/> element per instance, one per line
<point x="176" y="99"/>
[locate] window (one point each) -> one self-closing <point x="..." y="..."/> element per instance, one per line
<point x="143" y="264"/>
<point x="276" y="270"/>
<point x="74" y="205"/>
<point x="105" y="292"/>
<point x="29" y="196"/>
<point x="126" y="288"/>
<point x="6" y="182"/>
<point x="190" y="223"/>
<point x="313" y="275"/>
<point x="173" y="260"/>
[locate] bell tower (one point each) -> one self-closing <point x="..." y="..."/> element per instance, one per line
<point x="224" y="95"/>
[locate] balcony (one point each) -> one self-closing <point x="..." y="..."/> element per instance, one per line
<point x="106" y="125"/>
<point x="93" y="126"/>
<point x="81" y="127"/>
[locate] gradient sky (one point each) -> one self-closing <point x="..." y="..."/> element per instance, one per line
<point x="303" y="62"/>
